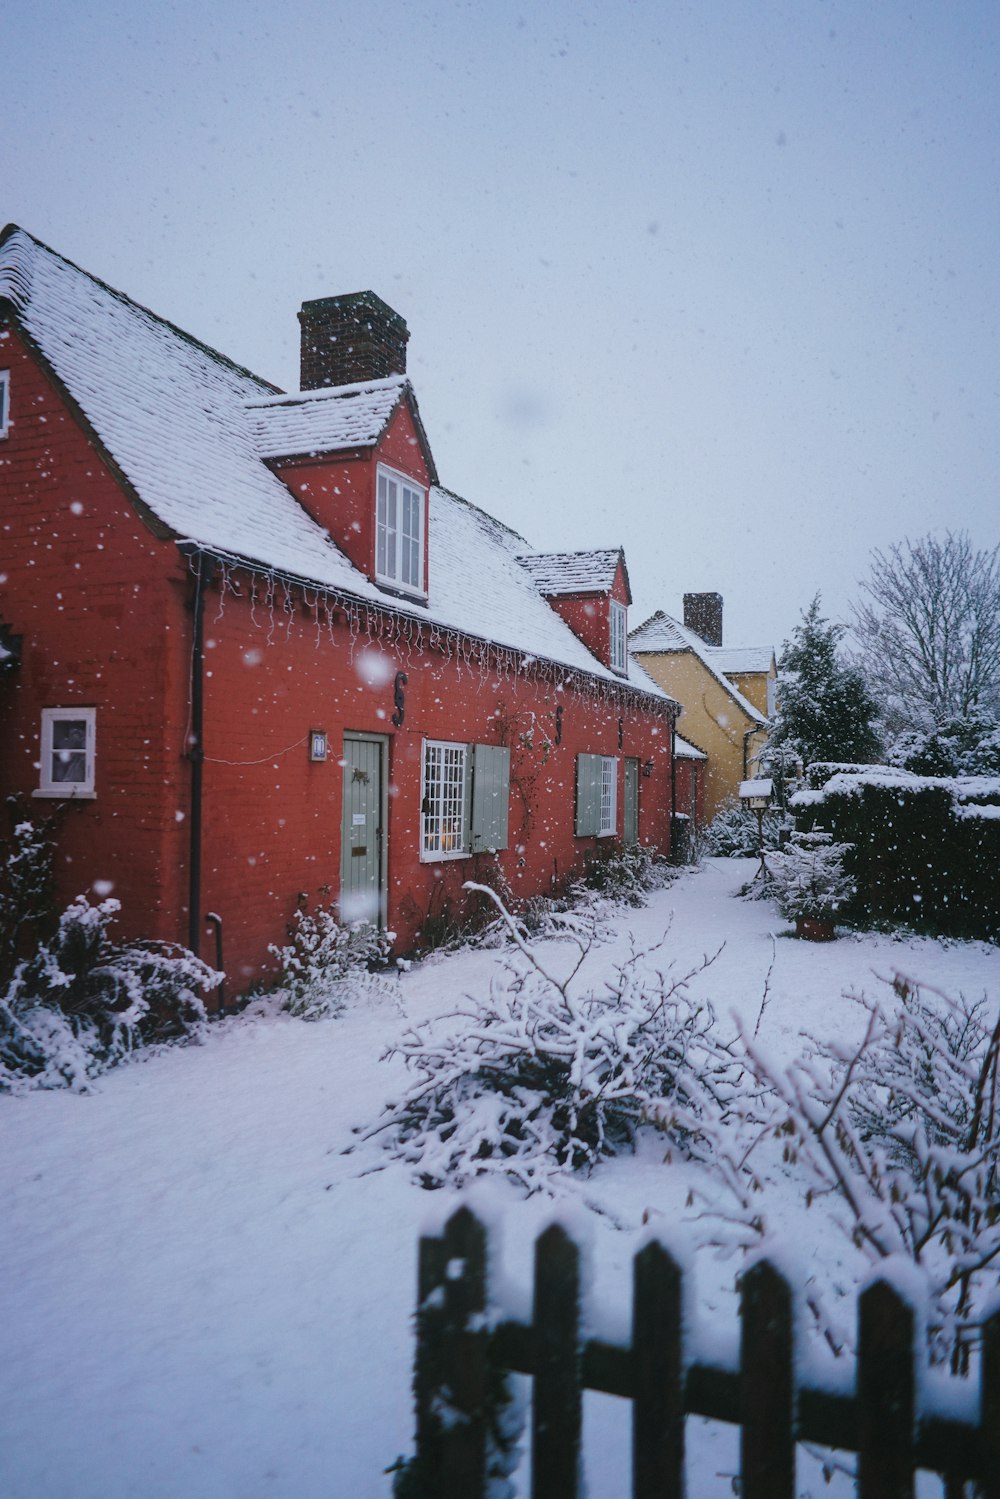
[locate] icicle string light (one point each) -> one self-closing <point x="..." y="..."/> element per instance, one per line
<point x="373" y="627"/>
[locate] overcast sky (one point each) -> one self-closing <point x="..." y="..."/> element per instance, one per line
<point x="715" y="281"/>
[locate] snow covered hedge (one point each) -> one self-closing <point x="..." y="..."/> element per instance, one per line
<point x="541" y="1075"/>
<point x="925" y="848"/>
<point x="81" y="1003"/>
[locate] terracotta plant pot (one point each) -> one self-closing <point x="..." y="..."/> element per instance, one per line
<point x="814" y="930"/>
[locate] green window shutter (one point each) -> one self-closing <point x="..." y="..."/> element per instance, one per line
<point x="588" y="795"/>
<point x="490" y="796"/>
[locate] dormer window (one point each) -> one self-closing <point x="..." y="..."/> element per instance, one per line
<point x="619" y="635"/>
<point x="399" y="531"/>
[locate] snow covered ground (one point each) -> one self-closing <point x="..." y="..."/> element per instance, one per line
<point x="202" y="1296"/>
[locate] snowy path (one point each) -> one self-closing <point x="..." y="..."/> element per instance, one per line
<point x="199" y="1295"/>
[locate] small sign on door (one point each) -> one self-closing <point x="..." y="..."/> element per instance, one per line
<point x="358" y="819"/>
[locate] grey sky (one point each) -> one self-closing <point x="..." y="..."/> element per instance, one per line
<point x="717" y="281"/>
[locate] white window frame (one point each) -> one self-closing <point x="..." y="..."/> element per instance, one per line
<point x="608" y="824"/>
<point x="48" y="786"/>
<point x="433" y="847"/>
<point x="391" y="565"/>
<point x="4" y="403"/>
<point x="619" y="637"/>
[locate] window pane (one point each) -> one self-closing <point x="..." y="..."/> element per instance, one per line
<point x="69" y="743"/>
<point x="444" y="798"/>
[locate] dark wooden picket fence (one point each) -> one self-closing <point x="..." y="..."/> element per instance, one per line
<point x="459" y="1355"/>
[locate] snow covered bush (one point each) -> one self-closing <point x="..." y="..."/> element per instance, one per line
<point x="82" y="1004"/>
<point x="733" y="834"/>
<point x="324" y="963"/>
<point x="899" y="1136"/>
<point x="628" y="875"/>
<point x="807" y="878"/>
<point x="538" y="1077"/>
<point x="26" y="888"/>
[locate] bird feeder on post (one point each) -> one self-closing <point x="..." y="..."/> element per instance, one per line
<point x="757" y="796"/>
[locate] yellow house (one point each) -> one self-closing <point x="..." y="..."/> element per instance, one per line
<point x="726" y="692"/>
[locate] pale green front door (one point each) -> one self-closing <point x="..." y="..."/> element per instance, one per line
<point x="631" y="801"/>
<point x="362" y="850"/>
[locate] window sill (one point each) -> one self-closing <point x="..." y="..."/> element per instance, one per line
<point x="462" y="853"/>
<point x="399" y="591"/>
<point x="56" y="794"/>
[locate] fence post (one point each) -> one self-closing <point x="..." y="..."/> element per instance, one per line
<point x="557" y="1406"/>
<point x="767" y="1393"/>
<point x="885" y="1389"/>
<point x="989" y="1409"/>
<point x="658" y="1377"/>
<point x="451" y="1365"/>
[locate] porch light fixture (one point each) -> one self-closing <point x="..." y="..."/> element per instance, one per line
<point x="647" y="768"/>
<point x="317" y="744"/>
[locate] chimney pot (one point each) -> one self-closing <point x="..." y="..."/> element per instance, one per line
<point x="350" y="338"/>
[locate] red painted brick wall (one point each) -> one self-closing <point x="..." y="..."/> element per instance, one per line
<point x="97" y="598"/>
<point x="273" y="820"/>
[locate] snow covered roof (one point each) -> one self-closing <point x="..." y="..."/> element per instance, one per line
<point x="184" y="427"/>
<point x="317" y="421"/>
<point x="663" y="635"/>
<point x="574" y="572"/>
<point x="741" y="658"/>
<point x="685" y="751"/>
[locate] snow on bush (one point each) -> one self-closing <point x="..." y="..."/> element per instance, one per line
<point x="628" y="875"/>
<point x="900" y="1136"/>
<point x="325" y="963"/>
<point x="733" y="833"/>
<point x="538" y="1077"/>
<point x="82" y="1004"/>
<point x="807" y="877"/>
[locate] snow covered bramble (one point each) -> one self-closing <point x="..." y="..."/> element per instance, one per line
<point x="538" y="1077"/>
<point x="82" y="1004"/>
<point x="324" y="962"/>
<point x="807" y="878"/>
<point x="900" y="1135"/>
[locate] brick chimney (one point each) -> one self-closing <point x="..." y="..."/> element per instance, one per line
<point x="703" y="615"/>
<point x="349" y="338"/>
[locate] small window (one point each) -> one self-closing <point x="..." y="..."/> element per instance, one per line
<point x="4" y="402"/>
<point x="618" y="636"/>
<point x="68" y="739"/>
<point x="399" y="531"/>
<point x="465" y="799"/>
<point x="596" y="796"/>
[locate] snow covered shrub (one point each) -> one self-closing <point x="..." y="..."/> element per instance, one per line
<point x="537" y="1077"/>
<point x="732" y="833"/>
<point x="82" y="1004"/>
<point x="900" y="1136"/>
<point x="807" y="878"/>
<point x="26" y="888"/>
<point x="325" y="963"/>
<point x="628" y="875"/>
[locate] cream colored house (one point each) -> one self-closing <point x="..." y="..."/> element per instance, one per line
<point x="726" y="692"/>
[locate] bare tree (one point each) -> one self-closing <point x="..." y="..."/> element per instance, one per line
<point x="929" y="630"/>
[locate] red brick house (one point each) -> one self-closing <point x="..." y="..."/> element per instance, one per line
<point x="253" y="651"/>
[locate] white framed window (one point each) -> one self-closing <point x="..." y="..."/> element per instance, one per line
<point x="596" y="796"/>
<point x="68" y="752"/>
<point x="619" y="635"/>
<point x="464" y="799"/>
<point x="399" y="531"/>
<point x="4" y="402"/>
